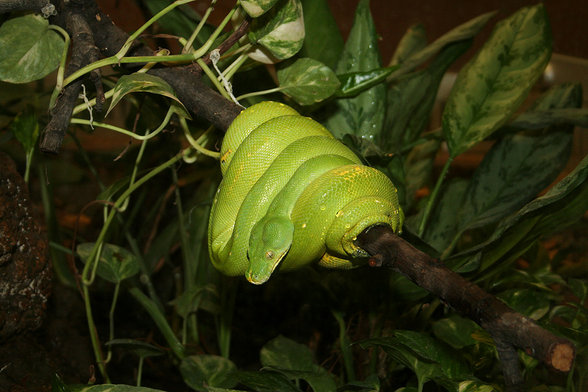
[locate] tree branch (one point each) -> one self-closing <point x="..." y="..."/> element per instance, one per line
<point x="508" y="328"/>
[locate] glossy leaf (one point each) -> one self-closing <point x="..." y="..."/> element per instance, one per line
<point x="531" y="303"/>
<point x="140" y="348"/>
<point x="456" y="331"/>
<point x="515" y="169"/>
<point x="281" y="30"/>
<point x="543" y="118"/>
<point x="115" y="265"/>
<point x="444" y="223"/>
<point x="490" y="88"/>
<point x="255" y="8"/>
<point x="418" y="167"/>
<point x="465" y="31"/>
<point x="353" y="83"/>
<point x="295" y="361"/>
<point x="414" y="40"/>
<point x="323" y="41"/>
<point x="29" y="50"/>
<point x="201" y="371"/>
<point x="266" y="381"/>
<point x="285" y="353"/>
<point x="110" y="388"/>
<point x="559" y="207"/>
<point x="427" y="357"/>
<point x="308" y="81"/>
<point x="145" y="83"/>
<point x="410" y="100"/>
<point x="180" y="21"/>
<point x="362" y="115"/>
<point x="25" y="128"/>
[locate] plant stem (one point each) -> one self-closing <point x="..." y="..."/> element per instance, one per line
<point x="94" y="334"/>
<point x="177" y="348"/>
<point x="213" y="78"/>
<point x="147" y="136"/>
<point x="255" y="93"/>
<point x="190" y="42"/>
<point x="61" y="69"/>
<point x="433" y="197"/>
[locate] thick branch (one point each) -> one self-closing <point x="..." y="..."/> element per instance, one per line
<point x="83" y="52"/>
<point x="200" y="100"/>
<point x="22" y="5"/>
<point x="507" y="327"/>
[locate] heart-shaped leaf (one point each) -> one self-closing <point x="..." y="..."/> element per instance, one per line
<point x="29" y="49"/>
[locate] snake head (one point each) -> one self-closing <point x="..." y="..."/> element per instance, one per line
<point x="269" y="242"/>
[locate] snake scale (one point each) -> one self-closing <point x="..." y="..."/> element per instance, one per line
<point x="292" y="194"/>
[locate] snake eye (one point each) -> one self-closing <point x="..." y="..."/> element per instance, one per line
<point x="269" y="255"/>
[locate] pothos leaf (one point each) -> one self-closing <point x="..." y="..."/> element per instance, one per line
<point x="29" y="49"/>
<point x="308" y="81"/>
<point x="111" y="388"/>
<point x="26" y="129"/>
<point x="489" y="89"/>
<point x="145" y="83"/>
<point x="115" y="265"/>
<point x="411" y="42"/>
<point x="354" y="83"/>
<point x="281" y="30"/>
<point x="323" y="41"/>
<point x="200" y="371"/>
<point x="255" y="8"/>
<point x="362" y="115"/>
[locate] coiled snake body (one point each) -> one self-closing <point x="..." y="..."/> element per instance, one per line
<point x="292" y="194"/>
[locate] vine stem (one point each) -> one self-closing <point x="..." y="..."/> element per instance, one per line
<point x="433" y="197"/>
<point x="118" y="59"/>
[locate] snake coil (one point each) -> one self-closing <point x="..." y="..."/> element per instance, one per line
<point x="292" y="194"/>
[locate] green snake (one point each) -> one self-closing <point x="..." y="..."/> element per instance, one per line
<point x="292" y="194"/>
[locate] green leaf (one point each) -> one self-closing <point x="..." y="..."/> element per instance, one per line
<point x="140" y="348"/>
<point x="537" y="119"/>
<point x="256" y="8"/>
<point x="308" y="81"/>
<point x="418" y="167"/>
<point x="410" y="100"/>
<point x="181" y="21"/>
<point x="323" y="41"/>
<point x="490" y="88"/>
<point x="531" y="303"/>
<point x="285" y="353"/>
<point x="465" y="31"/>
<point x="200" y="371"/>
<point x="427" y="357"/>
<point x="281" y="30"/>
<point x="414" y="40"/>
<point x="456" y="331"/>
<point x="363" y="115"/>
<point x="295" y="361"/>
<point x="266" y="381"/>
<point x="370" y="384"/>
<point x="111" y="388"/>
<point x="145" y="83"/>
<point x="514" y="171"/>
<point x="444" y="219"/>
<point x="29" y="50"/>
<point x="559" y="207"/>
<point x="354" y="83"/>
<point x="519" y="166"/>
<point x="115" y="265"/>
<point x="25" y="128"/>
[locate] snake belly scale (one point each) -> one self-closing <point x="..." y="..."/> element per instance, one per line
<point x="292" y="194"/>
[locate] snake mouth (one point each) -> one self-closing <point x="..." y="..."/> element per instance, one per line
<point x="264" y="271"/>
